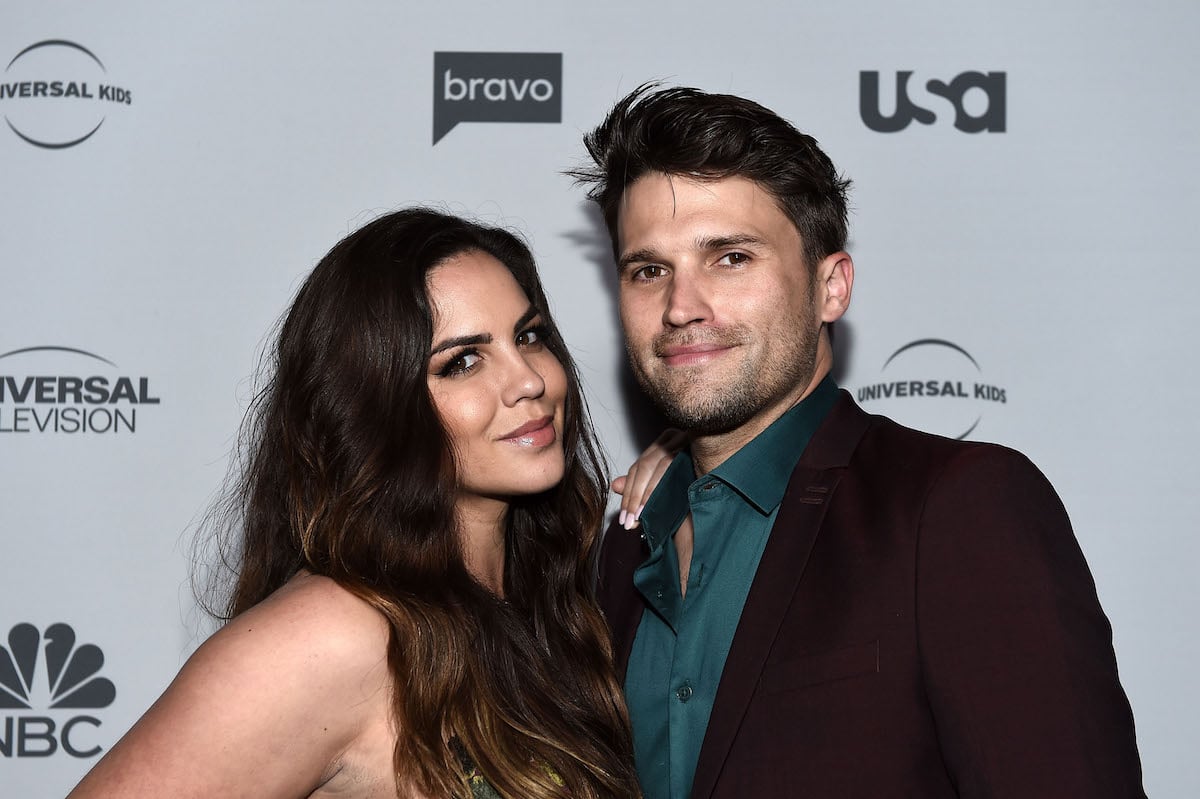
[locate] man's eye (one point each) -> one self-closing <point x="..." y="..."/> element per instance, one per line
<point x="734" y="258"/>
<point x="649" y="272"/>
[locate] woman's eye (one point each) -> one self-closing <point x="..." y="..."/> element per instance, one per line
<point x="460" y="365"/>
<point x="534" y="336"/>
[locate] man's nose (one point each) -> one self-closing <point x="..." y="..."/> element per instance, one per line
<point x="688" y="300"/>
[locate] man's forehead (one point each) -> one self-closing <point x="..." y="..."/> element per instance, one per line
<point x="702" y="208"/>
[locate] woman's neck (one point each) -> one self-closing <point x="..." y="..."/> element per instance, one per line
<point x="481" y="524"/>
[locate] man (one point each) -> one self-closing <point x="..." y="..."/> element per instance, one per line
<point x="823" y="603"/>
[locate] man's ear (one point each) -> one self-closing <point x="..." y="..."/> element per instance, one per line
<point x="835" y="282"/>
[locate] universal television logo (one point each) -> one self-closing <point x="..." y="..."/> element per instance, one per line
<point x="56" y="94"/>
<point x="495" y="87"/>
<point x="49" y="673"/>
<point x="50" y="389"/>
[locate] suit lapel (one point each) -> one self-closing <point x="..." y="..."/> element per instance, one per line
<point x="779" y="573"/>
<point x="621" y="602"/>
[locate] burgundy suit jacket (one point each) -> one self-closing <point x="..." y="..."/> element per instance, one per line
<point x="922" y="624"/>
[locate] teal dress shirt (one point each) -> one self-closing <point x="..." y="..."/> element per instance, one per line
<point x="681" y="643"/>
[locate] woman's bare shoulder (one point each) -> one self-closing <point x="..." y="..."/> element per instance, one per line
<point x="274" y="698"/>
<point x="309" y="616"/>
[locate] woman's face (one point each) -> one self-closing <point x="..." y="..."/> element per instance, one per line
<point x="498" y="389"/>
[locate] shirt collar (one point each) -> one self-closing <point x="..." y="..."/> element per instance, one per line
<point x="759" y="471"/>
<point x="668" y="504"/>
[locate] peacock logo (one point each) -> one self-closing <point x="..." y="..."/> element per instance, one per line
<point x="48" y="672"/>
<point x="70" y="671"/>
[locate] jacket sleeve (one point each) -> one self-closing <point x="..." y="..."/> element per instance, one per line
<point x="1015" y="650"/>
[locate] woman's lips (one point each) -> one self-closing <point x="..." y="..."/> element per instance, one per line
<point x="535" y="433"/>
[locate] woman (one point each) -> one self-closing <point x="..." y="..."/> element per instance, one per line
<point x="412" y="613"/>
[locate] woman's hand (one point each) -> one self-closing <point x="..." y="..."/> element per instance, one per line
<point x="638" y="483"/>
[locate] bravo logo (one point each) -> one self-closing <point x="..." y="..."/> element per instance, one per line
<point x="49" y="675"/>
<point x="495" y="87"/>
<point x="978" y="99"/>
<point x="933" y="385"/>
<point x="56" y="94"/>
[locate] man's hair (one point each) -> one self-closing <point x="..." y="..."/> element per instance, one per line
<point x="687" y="132"/>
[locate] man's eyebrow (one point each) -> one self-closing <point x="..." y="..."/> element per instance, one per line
<point x="628" y="258"/>
<point x="709" y="243"/>
<point x="702" y="243"/>
<point x="461" y="341"/>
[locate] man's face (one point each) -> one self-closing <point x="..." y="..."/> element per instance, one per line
<point x="718" y="306"/>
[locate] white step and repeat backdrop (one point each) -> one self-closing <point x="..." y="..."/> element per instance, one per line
<point x="1024" y="224"/>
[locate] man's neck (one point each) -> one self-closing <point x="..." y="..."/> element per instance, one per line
<point x="709" y="452"/>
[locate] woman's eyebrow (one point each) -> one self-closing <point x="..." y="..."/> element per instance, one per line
<point x="461" y="341"/>
<point x="525" y="319"/>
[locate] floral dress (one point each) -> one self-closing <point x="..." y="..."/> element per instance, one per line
<point x="480" y="787"/>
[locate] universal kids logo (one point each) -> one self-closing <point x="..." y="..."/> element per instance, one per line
<point x="56" y="94"/>
<point x="495" y="87"/>
<point x="933" y="385"/>
<point x="44" y="681"/>
<point x="978" y="99"/>
<point x="66" y="390"/>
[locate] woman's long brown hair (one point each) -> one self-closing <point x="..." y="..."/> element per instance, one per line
<point x="349" y="474"/>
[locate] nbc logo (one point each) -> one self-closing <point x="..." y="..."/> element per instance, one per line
<point x="48" y="671"/>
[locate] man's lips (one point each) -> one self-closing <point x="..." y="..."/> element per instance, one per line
<point x="688" y="354"/>
<point x="534" y="433"/>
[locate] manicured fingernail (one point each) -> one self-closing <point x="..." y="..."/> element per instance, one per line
<point x="637" y="514"/>
<point x="621" y="518"/>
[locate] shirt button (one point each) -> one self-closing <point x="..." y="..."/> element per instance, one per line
<point x="684" y="692"/>
<point x="710" y="486"/>
<point x="658" y="592"/>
